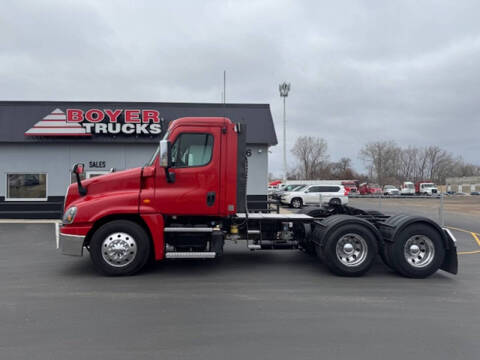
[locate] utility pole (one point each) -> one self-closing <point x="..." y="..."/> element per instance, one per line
<point x="284" y="89"/>
<point x="224" y="86"/>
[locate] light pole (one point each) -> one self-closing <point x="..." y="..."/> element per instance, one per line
<point x="284" y="89"/>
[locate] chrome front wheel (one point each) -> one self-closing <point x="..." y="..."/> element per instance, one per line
<point x="119" y="249"/>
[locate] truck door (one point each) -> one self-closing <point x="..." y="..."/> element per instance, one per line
<point x="196" y="168"/>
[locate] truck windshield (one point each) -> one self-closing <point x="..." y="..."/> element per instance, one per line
<point x="157" y="150"/>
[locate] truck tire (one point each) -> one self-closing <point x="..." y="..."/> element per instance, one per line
<point x="119" y="247"/>
<point x="315" y="211"/>
<point x="417" y="252"/>
<point x="374" y="212"/>
<point x="350" y="250"/>
<point x="303" y="235"/>
<point x="296" y="203"/>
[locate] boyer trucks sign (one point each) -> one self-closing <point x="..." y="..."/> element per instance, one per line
<point x="77" y="122"/>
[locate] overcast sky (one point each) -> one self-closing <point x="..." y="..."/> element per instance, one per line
<point x="408" y="71"/>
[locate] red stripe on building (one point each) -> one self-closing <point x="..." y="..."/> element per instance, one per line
<point x="58" y="127"/>
<point x="57" y="134"/>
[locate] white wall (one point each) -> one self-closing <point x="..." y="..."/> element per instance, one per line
<point x="57" y="160"/>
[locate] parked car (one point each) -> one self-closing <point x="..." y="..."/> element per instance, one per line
<point x="370" y="189"/>
<point x="461" y="194"/>
<point x="475" y="193"/>
<point x="390" y="190"/>
<point x="316" y="194"/>
<point x="277" y="195"/>
<point x="350" y="186"/>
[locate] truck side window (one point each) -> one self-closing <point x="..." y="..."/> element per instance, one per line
<point x="192" y="150"/>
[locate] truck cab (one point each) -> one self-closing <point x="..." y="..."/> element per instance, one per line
<point x="408" y="188"/>
<point x="426" y="188"/>
<point x="195" y="177"/>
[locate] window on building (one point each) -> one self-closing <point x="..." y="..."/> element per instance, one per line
<point x="73" y="177"/>
<point x="192" y="150"/>
<point x="26" y="186"/>
<point x="91" y="174"/>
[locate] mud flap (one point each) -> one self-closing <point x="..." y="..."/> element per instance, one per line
<point x="450" y="264"/>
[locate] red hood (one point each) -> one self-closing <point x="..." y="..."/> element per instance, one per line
<point x="121" y="180"/>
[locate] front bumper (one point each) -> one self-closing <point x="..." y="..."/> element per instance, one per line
<point x="71" y="244"/>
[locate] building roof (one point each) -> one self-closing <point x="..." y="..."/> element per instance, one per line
<point x="23" y="121"/>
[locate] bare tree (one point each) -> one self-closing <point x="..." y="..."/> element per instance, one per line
<point x="408" y="164"/>
<point x="382" y="159"/>
<point x="311" y="153"/>
<point x="342" y="169"/>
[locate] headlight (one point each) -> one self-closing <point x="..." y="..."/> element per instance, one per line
<point x="69" y="215"/>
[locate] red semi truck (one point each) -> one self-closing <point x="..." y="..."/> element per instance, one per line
<point x="191" y="197"/>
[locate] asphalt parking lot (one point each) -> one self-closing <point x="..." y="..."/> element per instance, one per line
<point x="260" y="305"/>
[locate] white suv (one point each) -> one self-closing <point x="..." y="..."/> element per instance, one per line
<point x="316" y="194"/>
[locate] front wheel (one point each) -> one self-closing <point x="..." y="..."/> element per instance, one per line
<point x="350" y="250"/>
<point x="120" y="247"/>
<point x="296" y="203"/>
<point x="418" y="252"/>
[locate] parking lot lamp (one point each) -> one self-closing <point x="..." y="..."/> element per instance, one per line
<point x="284" y="89"/>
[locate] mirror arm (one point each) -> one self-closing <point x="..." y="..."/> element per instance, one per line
<point x="170" y="176"/>
<point x="81" y="190"/>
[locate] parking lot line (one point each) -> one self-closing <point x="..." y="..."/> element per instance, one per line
<point x="468" y="252"/>
<point x="474" y="235"/>
<point x="462" y="230"/>
<point x="476" y="238"/>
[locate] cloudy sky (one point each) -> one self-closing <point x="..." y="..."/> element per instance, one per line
<point x="408" y="71"/>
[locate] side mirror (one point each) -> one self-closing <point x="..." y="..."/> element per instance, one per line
<point x="165" y="159"/>
<point x="165" y="154"/>
<point x="78" y="168"/>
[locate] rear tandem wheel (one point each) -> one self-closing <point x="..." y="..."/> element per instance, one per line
<point x="417" y="252"/>
<point x="349" y="250"/>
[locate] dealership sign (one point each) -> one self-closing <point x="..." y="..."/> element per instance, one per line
<point x="76" y="122"/>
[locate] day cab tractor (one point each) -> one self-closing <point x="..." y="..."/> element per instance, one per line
<point x="425" y="188"/>
<point x="190" y="198"/>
